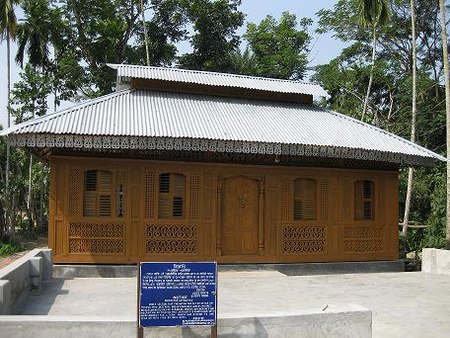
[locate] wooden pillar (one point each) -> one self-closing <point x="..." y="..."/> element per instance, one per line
<point x="261" y="218"/>
<point x="219" y="218"/>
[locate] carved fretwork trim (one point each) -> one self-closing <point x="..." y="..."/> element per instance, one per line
<point x="304" y="239"/>
<point x="171" y="239"/>
<point x="96" y="238"/>
<point x="367" y="239"/>
<point x="89" y="143"/>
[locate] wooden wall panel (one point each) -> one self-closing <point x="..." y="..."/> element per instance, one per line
<point x="333" y="235"/>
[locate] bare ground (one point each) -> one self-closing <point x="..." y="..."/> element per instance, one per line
<point x="29" y="244"/>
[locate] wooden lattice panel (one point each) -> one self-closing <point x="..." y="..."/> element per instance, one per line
<point x="74" y="191"/>
<point x="149" y="194"/>
<point x="324" y="200"/>
<point x="194" y="195"/>
<point x="304" y="239"/>
<point x="363" y="239"/>
<point x="96" y="238"/>
<point x="286" y="199"/>
<point x="346" y="188"/>
<point x="96" y="230"/>
<point x="171" y="238"/>
<point x="96" y="246"/>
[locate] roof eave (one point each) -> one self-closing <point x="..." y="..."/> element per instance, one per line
<point x="92" y="142"/>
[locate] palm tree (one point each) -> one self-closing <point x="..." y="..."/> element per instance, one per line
<point x="447" y="108"/>
<point x="413" y="117"/>
<point x="372" y="13"/>
<point x="33" y="34"/>
<point x="33" y="37"/>
<point x="8" y="27"/>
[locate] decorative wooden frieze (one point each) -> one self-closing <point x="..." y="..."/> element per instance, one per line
<point x="171" y="238"/>
<point x="304" y="239"/>
<point x="89" y="142"/>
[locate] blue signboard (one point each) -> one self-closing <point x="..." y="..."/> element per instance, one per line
<point x="178" y="294"/>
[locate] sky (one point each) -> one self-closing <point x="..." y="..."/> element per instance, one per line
<point x="323" y="47"/>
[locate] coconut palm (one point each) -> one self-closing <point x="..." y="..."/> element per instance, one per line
<point x="33" y="34"/>
<point x="372" y="14"/>
<point x="33" y="38"/>
<point x="8" y="28"/>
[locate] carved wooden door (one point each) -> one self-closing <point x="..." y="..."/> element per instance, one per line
<point x="240" y="209"/>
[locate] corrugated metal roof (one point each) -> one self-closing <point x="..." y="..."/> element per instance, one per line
<point x="218" y="79"/>
<point x="162" y="115"/>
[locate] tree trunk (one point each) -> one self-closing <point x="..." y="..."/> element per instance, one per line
<point x="147" y="50"/>
<point x="447" y="109"/>
<point x="413" y="117"/>
<point x="10" y="225"/>
<point x="369" y="86"/>
<point x="30" y="188"/>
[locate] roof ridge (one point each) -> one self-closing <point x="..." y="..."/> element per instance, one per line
<point x="183" y="70"/>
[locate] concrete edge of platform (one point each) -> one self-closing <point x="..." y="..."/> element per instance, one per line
<point x="24" y="277"/>
<point x="334" y="321"/>
<point x="289" y="269"/>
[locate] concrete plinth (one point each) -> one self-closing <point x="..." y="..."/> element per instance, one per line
<point x="436" y="261"/>
<point x="292" y="269"/>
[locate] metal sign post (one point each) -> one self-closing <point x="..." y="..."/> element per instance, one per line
<point x="139" y="328"/>
<point x="177" y="294"/>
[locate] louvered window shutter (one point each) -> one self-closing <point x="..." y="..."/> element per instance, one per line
<point x="305" y="199"/>
<point x="171" y="195"/>
<point x="179" y="183"/>
<point x="364" y="200"/>
<point x="104" y="193"/>
<point x="97" y="193"/>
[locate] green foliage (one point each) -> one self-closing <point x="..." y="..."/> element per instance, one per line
<point x="215" y="38"/>
<point x="278" y="49"/>
<point x="346" y="77"/>
<point x="435" y="233"/>
<point x="373" y="12"/>
<point x="7" y="249"/>
<point x="8" y="20"/>
<point x="33" y="34"/>
<point x="29" y="95"/>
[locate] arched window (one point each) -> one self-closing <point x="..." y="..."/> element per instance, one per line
<point x="171" y="195"/>
<point x="97" y="193"/>
<point x="305" y="198"/>
<point x="364" y="200"/>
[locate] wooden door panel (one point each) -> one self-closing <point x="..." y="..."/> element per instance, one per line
<point x="240" y="210"/>
<point x="249" y="243"/>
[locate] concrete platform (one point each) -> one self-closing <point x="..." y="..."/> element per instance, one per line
<point x="293" y="269"/>
<point x="410" y="304"/>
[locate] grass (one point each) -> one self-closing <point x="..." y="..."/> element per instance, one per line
<point x="7" y="249"/>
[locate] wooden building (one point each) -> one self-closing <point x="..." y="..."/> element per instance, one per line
<point x="187" y="165"/>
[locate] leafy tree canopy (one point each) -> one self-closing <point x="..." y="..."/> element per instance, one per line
<point x="278" y="49"/>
